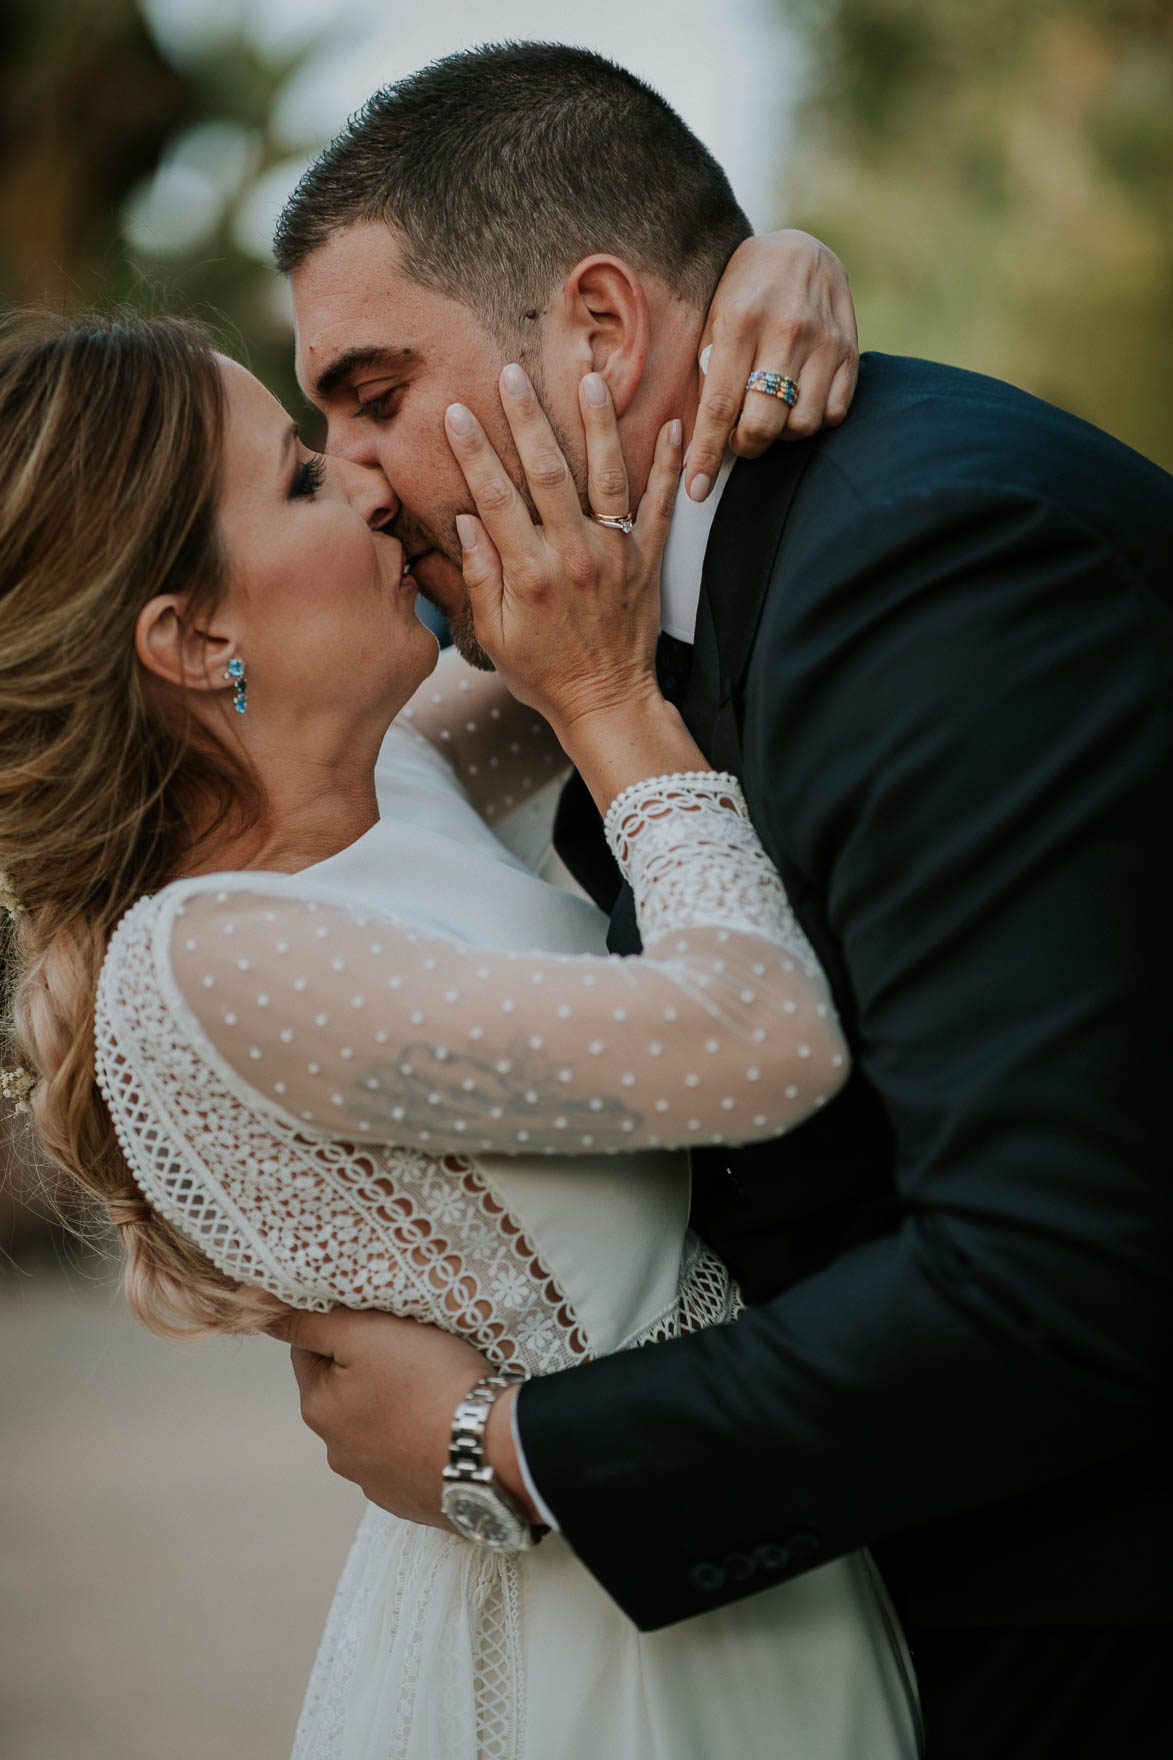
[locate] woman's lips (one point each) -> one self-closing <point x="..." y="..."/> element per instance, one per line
<point x="409" y="583"/>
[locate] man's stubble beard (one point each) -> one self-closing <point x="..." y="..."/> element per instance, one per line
<point x="464" y="638"/>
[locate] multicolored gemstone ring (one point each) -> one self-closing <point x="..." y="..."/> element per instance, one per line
<point x="773" y="385"/>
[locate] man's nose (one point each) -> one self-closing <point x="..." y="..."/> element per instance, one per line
<point x="367" y="489"/>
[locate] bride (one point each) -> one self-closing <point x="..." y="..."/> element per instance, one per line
<point x="329" y="1066"/>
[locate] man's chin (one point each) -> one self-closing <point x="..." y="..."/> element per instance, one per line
<point x="464" y="640"/>
<point x="440" y="582"/>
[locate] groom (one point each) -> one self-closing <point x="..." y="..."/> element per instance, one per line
<point x="937" y="646"/>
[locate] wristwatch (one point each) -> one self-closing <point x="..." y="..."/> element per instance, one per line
<point x="474" y="1501"/>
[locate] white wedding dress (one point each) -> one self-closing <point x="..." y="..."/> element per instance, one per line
<point x="357" y="1085"/>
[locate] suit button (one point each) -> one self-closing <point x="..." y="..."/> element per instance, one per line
<point x="772" y="1557"/>
<point x="738" y="1567"/>
<point x="706" y="1577"/>
<point x="802" y="1546"/>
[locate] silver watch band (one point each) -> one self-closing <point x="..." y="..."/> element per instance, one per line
<point x="476" y="1504"/>
<point x="466" y="1449"/>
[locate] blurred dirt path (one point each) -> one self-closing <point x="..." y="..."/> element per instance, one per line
<point x="170" y="1535"/>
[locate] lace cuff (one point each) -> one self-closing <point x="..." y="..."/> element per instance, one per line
<point x="659" y="827"/>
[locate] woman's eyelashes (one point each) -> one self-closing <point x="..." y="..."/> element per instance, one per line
<point x="308" y="476"/>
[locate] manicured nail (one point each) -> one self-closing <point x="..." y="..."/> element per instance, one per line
<point x="596" y="391"/>
<point x="515" y="380"/>
<point x="699" y="487"/>
<point x="704" y="358"/>
<point x="675" y="433"/>
<point x="459" y="419"/>
<point x="467" y="531"/>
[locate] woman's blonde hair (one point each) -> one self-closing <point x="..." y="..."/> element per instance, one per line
<point x="110" y="442"/>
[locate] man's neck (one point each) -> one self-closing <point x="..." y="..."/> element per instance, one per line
<point x="670" y="385"/>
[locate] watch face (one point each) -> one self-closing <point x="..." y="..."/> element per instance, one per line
<point x="479" y="1515"/>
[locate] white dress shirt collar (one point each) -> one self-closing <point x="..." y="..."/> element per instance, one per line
<point x="684" y="556"/>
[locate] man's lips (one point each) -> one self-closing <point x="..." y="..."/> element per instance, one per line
<point x="436" y="576"/>
<point x="409" y="569"/>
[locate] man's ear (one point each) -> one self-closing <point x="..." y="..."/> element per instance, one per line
<point x="606" y="310"/>
<point x="187" y="655"/>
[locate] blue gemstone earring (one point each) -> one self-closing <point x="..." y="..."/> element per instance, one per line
<point x="235" y="677"/>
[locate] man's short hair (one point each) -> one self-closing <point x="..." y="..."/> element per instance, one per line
<point x="503" y="166"/>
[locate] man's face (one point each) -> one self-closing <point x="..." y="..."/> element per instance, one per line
<point x="382" y="358"/>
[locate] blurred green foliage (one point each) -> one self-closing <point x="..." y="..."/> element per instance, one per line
<point x="996" y="174"/>
<point x="998" y="177"/>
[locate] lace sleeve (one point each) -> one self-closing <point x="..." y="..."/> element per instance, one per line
<point x="502" y="751"/>
<point x="351" y="1026"/>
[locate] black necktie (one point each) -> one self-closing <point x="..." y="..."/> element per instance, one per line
<point x="673" y="665"/>
<point x="578" y="830"/>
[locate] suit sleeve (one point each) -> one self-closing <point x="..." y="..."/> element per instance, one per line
<point x="968" y="748"/>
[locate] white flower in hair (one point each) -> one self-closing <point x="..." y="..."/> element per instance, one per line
<point x="17" y="1085"/>
<point x="10" y="899"/>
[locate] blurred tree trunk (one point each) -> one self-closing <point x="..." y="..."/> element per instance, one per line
<point x="86" y="103"/>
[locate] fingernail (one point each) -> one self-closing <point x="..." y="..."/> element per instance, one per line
<point x="515" y="379"/>
<point x="675" y="433"/>
<point x="466" y="531"/>
<point x="459" y="419"/>
<point x="704" y="358"/>
<point x="699" y="487"/>
<point x="596" y="391"/>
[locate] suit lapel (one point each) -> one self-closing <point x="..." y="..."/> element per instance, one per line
<point x="739" y="565"/>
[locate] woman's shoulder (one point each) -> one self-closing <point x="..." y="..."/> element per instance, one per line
<point x="140" y="1023"/>
<point x="141" y="954"/>
<point x="136" y="972"/>
<point x="133" y="939"/>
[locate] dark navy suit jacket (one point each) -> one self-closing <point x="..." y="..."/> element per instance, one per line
<point x="937" y="646"/>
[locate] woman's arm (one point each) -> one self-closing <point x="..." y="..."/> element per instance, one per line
<point x="501" y="750"/>
<point x="350" y="1026"/>
<point x="783" y="304"/>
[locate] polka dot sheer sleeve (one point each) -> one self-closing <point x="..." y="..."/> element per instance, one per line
<point x="347" y="1025"/>
<point x="502" y="751"/>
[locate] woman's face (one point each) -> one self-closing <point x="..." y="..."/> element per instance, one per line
<point x="319" y="607"/>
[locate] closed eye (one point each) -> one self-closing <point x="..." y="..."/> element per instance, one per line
<point x="378" y="409"/>
<point x="308" y="476"/>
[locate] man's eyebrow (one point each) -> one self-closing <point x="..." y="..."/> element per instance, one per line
<point x="354" y="359"/>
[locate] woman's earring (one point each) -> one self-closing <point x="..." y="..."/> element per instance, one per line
<point x="235" y="677"/>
